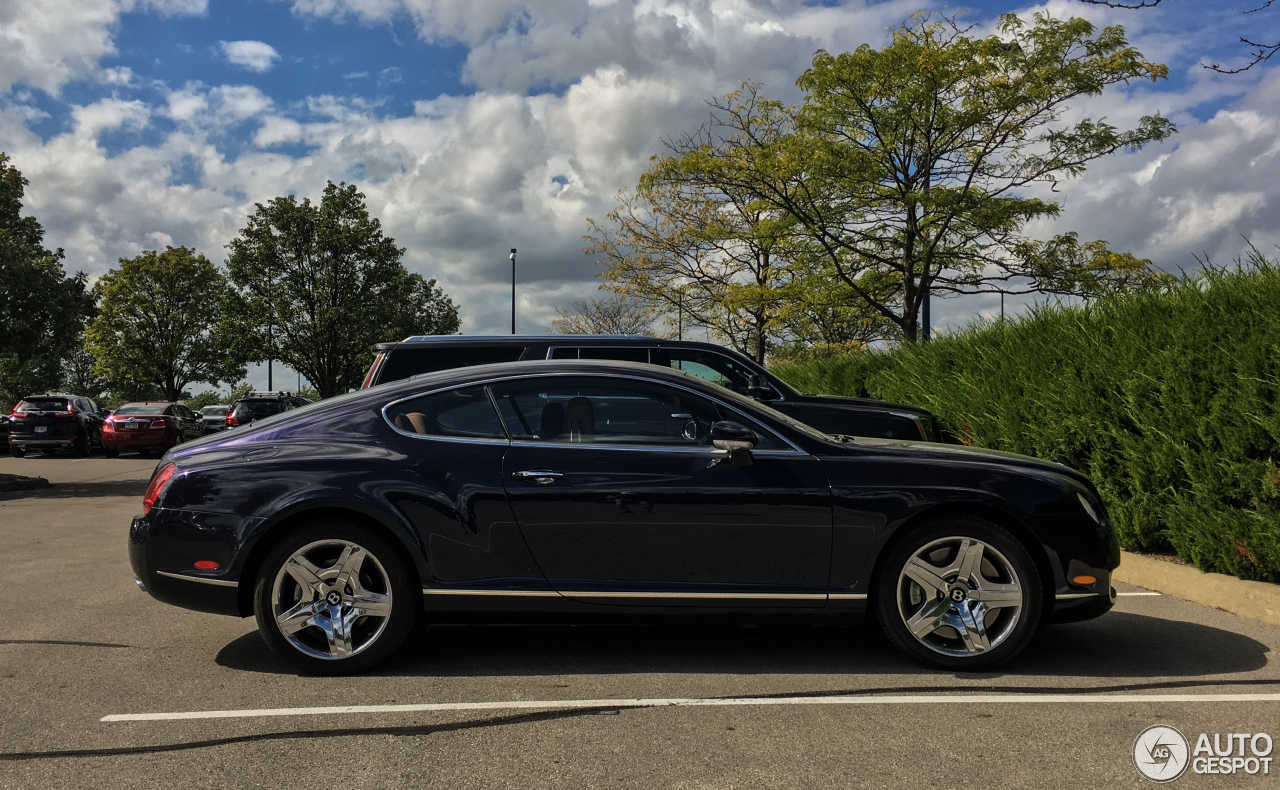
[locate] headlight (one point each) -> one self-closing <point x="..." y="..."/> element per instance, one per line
<point x="1089" y="508"/>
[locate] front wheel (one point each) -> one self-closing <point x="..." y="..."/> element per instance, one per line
<point x="959" y="593"/>
<point x="335" y="598"/>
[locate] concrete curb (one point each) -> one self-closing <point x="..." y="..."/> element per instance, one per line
<point x="19" y="483"/>
<point x="1256" y="600"/>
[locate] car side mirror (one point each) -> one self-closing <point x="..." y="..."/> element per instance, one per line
<point x="758" y="388"/>
<point x="736" y="440"/>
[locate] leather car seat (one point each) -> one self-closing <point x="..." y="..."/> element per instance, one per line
<point x="580" y="420"/>
<point x="552" y="423"/>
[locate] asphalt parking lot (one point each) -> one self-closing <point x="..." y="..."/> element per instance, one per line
<point x="526" y="706"/>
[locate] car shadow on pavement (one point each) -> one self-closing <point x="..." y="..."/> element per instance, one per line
<point x="129" y="488"/>
<point x="1120" y="645"/>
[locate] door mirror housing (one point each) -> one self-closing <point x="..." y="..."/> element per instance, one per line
<point x="736" y="440"/>
<point x="758" y="388"/>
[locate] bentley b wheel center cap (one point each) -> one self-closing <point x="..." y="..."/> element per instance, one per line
<point x="334" y="598"/>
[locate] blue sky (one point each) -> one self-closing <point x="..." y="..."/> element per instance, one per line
<point x="476" y="127"/>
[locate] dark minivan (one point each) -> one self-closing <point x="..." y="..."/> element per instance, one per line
<point x="56" y="420"/>
<point x="420" y="354"/>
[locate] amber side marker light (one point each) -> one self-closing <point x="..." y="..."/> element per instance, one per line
<point x="1084" y="580"/>
<point x="205" y="565"/>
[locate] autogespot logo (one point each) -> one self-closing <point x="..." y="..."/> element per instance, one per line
<point x="1162" y="753"/>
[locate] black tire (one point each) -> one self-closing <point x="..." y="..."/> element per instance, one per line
<point x="966" y="622"/>
<point x="371" y="639"/>
<point x="17" y="452"/>
<point x="144" y="453"/>
<point x="81" y="448"/>
<point x="110" y="452"/>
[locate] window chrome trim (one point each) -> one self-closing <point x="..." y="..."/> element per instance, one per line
<point x="200" y="579"/>
<point x="795" y="450"/>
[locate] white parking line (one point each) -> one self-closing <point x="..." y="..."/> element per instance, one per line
<point x="1141" y="593"/>
<point x="571" y="704"/>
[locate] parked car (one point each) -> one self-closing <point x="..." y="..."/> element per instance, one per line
<point x="149" y="426"/>
<point x="257" y="405"/>
<point x="4" y="431"/>
<point x="215" y="417"/>
<point x="53" y="421"/>
<point x="579" y="490"/>
<point x="414" y="356"/>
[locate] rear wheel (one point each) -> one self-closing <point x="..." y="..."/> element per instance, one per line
<point x="17" y="452"/>
<point x="81" y="447"/>
<point x="334" y="598"/>
<point x="959" y="593"/>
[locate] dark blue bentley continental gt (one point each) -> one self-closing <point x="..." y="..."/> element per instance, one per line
<point x="581" y="489"/>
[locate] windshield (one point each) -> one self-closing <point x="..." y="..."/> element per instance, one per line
<point x="214" y="411"/>
<point x="141" y="408"/>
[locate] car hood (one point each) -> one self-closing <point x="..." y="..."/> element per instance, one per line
<point x="975" y="454"/>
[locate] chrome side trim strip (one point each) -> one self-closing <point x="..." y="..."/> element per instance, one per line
<point x="1073" y="596"/>
<point x="200" y="579"/>
<point x="603" y="594"/>
<point x="504" y="593"/>
<point x="847" y="596"/>
<point x="701" y="595"/>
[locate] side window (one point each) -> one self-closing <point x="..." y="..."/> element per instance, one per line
<point x="712" y="367"/>
<point x="619" y="353"/>
<point x="464" y="413"/>
<point x="611" y="411"/>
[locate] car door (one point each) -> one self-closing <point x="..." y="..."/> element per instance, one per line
<point x="612" y="481"/>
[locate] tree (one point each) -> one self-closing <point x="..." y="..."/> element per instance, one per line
<point x="317" y="285"/>
<point x="619" y="315"/>
<point x="908" y="168"/>
<point x="159" y="323"/>
<point x="42" y="310"/>
<point x="1262" y="50"/>
<point x="79" y="375"/>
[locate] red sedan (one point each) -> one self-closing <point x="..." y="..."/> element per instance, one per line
<point x="149" y="426"/>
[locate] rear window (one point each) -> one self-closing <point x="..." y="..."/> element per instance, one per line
<point x="141" y="408"/>
<point x="214" y="411"/>
<point x="405" y="362"/>
<point x="247" y="410"/>
<point x="42" y="404"/>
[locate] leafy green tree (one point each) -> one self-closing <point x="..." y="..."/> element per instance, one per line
<point x="159" y="323"/>
<point x="317" y="285"/>
<point x="79" y="375"/>
<point x="42" y="310"/>
<point x="909" y="168"/>
<point x="206" y="398"/>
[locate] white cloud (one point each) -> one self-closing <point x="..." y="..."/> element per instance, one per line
<point x="256" y="56"/>
<point x="464" y="178"/>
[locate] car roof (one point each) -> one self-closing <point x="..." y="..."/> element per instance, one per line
<point x="519" y="338"/>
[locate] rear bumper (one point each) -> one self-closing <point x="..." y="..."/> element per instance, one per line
<point x="119" y="440"/>
<point x="26" y="441"/>
<point x="163" y="546"/>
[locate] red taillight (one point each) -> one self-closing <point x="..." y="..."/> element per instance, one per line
<point x="159" y="423"/>
<point x="158" y="482"/>
<point x="67" y="413"/>
<point x="231" y="419"/>
<point x="373" y="369"/>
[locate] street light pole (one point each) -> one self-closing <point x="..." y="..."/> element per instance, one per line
<point x="513" y="290"/>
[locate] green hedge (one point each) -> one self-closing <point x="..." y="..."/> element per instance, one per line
<point x="1166" y="400"/>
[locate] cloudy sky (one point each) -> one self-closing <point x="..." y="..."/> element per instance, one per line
<point x="474" y="126"/>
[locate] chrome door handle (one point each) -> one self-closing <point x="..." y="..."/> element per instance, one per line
<point x="540" y="476"/>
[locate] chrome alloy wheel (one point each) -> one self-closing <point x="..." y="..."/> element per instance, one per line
<point x="331" y="599"/>
<point x="959" y="596"/>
